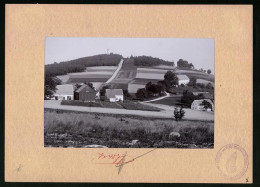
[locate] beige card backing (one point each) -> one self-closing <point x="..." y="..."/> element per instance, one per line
<point x="26" y="159"/>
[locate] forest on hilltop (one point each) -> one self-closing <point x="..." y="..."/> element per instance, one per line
<point x="150" y="61"/>
<point x="80" y="64"/>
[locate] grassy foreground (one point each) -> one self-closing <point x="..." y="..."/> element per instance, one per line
<point x="104" y="104"/>
<point x="68" y="129"/>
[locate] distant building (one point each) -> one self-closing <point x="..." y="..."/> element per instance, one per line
<point x="197" y="104"/>
<point x="183" y="79"/>
<point x="85" y="93"/>
<point x="64" y="92"/>
<point x="114" y="95"/>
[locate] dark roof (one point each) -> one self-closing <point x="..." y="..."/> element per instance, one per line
<point x="111" y="93"/>
<point x="85" y="88"/>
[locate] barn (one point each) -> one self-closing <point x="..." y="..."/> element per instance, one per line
<point x="64" y="92"/>
<point x="196" y="104"/>
<point x="114" y="95"/>
<point x="85" y="93"/>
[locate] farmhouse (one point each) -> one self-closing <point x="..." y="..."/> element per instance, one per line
<point x="183" y="79"/>
<point x="197" y="104"/>
<point x="64" y="92"/>
<point x="114" y="95"/>
<point x="85" y="93"/>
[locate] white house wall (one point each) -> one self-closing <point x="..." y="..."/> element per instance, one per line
<point x="60" y="97"/>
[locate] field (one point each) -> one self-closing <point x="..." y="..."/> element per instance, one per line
<point x="70" y="129"/>
<point x="145" y="75"/>
<point x="170" y="101"/>
<point x="102" y="68"/>
<point x="102" y="73"/>
<point x="125" y="105"/>
<point x="126" y="74"/>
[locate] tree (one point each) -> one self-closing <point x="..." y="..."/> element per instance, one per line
<point x="209" y="71"/>
<point x="141" y="93"/>
<point x="171" y="79"/>
<point x="90" y="85"/>
<point x="150" y="61"/>
<point x="184" y="64"/>
<point x="50" y="84"/>
<point x="193" y="81"/>
<point x="103" y="90"/>
<point x="163" y="84"/>
<point x="209" y="86"/>
<point x="77" y="86"/>
<point x="206" y="105"/>
<point x="200" y="96"/>
<point x="187" y="98"/>
<point x="126" y="93"/>
<point x="178" y="113"/>
<point x="148" y="85"/>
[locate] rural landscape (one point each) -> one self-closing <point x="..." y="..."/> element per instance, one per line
<point x="112" y="101"/>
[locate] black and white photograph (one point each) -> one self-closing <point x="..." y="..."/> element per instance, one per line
<point x="129" y="92"/>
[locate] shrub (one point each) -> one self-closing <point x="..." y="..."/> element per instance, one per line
<point x="178" y="113"/>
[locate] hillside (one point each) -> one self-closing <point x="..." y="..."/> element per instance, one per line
<point x="80" y="64"/>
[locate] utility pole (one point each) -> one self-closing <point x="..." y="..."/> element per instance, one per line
<point x="107" y="51"/>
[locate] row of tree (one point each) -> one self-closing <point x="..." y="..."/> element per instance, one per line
<point x="150" y="61"/>
<point x="203" y="70"/>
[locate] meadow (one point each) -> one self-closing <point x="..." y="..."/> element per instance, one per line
<point x="71" y="129"/>
<point x="129" y="105"/>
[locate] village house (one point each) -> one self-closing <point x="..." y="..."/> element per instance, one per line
<point x="85" y="93"/>
<point x="64" y="92"/>
<point x="183" y="79"/>
<point x="197" y="104"/>
<point x="114" y="95"/>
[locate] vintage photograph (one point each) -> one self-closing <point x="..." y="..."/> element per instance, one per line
<point x="129" y="92"/>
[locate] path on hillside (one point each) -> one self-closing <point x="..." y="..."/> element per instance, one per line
<point x="116" y="72"/>
<point x="157" y="99"/>
<point x="166" y="113"/>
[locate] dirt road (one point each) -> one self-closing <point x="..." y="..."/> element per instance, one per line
<point x="166" y="113"/>
<point x="157" y="99"/>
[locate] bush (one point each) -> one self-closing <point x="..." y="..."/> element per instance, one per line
<point x="178" y="113"/>
<point x="187" y="98"/>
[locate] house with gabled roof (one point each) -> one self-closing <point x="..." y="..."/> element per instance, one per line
<point x="114" y="95"/>
<point x="85" y="93"/>
<point x="64" y="92"/>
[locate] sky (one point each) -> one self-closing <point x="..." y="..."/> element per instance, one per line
<point x="198" y="51"/>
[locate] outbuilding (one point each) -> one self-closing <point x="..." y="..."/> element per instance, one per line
<point x="85" y="93"/>
<point x="114" y="95"/>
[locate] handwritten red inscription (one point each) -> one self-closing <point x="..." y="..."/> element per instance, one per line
<point x="117" y="159"/>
